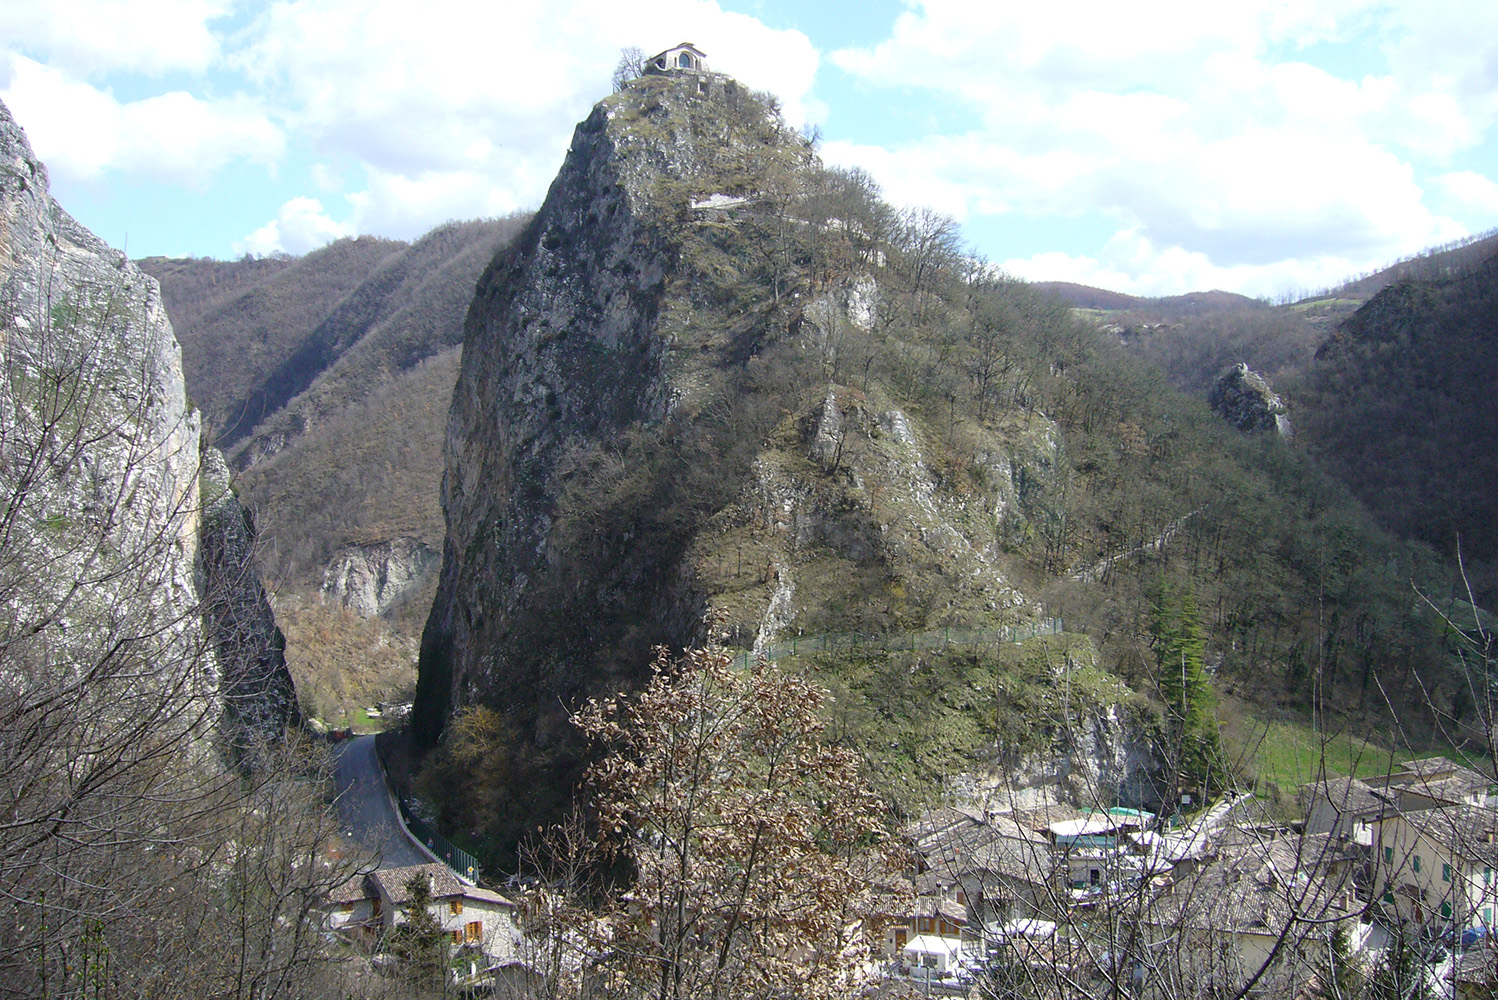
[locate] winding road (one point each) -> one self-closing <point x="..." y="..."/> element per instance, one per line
<point x="367" y="810"/>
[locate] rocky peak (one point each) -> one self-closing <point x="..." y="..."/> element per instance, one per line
<point x="678" y="403"/>
<point x="576" y="334"/>
<point x="1244" y="399"/>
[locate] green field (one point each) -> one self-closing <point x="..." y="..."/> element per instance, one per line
<point x="1288" y="753"/>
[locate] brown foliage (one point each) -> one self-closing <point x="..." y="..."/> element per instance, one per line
<point x="753" y="840"/>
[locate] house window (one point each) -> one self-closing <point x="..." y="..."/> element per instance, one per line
<point x="1388" y="892"/>
<point x="684" y="61"/>
<point x="961" y="898"/>
<point x="1388" y="855"/>
<point x="1487" y="876"/>
<point x="1445" y="873"/>
<point x="1417" y="863"/>
<point x="1487" y="916"/>
<point x="1446" y="910"/>
<point x="475" y="929"/>
<point x="455" y="907"/>
<point x="457" y="937"/>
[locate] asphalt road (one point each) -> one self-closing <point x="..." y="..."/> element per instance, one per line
<point x="365" y="808"/>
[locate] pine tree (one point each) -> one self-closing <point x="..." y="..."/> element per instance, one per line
<point x="1339" y="974"/>
<point x="418" y="942"/>
<point x="1401" y="975"/>
<point x="1190" y="703"/>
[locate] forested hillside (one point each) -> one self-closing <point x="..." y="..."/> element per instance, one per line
<point x="1195" y="337"/>
<point x="1400" y="405"/>
<point x="798" y="411"/>
<point x="327" y="379"/>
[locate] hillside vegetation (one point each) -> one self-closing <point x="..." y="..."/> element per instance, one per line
<point x="1400" y="405"/>
<point x="328" y="379"/>
<point x="868" y="432"/>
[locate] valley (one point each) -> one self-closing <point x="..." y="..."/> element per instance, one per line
<point x="766" y="595"/>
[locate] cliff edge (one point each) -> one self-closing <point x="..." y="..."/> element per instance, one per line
<point x="100" y="459"/>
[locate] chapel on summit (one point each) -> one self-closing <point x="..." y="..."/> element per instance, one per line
<point x="684" y="57"/>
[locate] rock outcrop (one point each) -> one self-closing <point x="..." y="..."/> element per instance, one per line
<point x="372" y="579"/>
<point x="1244" y="399"/>
<point x="258" y="694"/>
<point x="663" y="419"/>
<point x="569" y="343"/>
<point x="100" y="461"/>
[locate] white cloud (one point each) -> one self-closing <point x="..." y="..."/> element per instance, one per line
<point x="151" y="36"/>
<point x="1204" y="130"/>
<point x="302" y="224"/>
<point x="1472" y="190"/>
<point x="404" y="206"/>
<point x="1130" y="262"/>
<point x="468" y="96"/>
<point x="81" y="132"/>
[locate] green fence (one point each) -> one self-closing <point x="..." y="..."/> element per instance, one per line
<point x="452" y="855"/>
<point x="853" y="642"/>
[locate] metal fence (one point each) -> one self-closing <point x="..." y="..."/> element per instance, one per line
<point x="453" y="856"/>
<point x="853" y="642"/>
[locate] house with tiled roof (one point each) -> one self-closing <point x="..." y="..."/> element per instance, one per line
<point x="972" y="872"/>
<point x="1256" y="902"/>
<point x="1434" y="868"/>
<point x="1433" y="783"/>
<point x="680" y="58"/>
<point x="373" y="903"/>
<point x="1345" y="808"/>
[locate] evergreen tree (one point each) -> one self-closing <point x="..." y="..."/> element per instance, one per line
<point x="1190" y="703"/>
<point x="1339" y="974"/>
<point x="1401" y="975"/>
<point x="418" y="942"/>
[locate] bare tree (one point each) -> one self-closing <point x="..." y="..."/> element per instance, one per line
<point x="631" y="66"/>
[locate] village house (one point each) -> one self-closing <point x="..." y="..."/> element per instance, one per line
<point x="1432" y="783"/>
<point x="372" y="904"/>
<point x="1433" y="868"/>
<point x="1248" y="905"/>
<point x="1091" y="847"/>
<point x="1344" y="808"/>
<point x="975" y="874"/>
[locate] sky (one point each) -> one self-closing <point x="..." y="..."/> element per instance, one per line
<point x="1269" y="147"/>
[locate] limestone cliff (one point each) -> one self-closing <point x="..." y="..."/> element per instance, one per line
<point x="100" y="457"/>
<point x="372" y="579"/>
<point x="681" y="399"/>
<point x="258" y="694"/>
<point x="564" y="347"/>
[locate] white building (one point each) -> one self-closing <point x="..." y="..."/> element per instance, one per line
<point x="374" y="903"/>
<point x="1345" y="808"/>
<point x="1434" y="867"/>
<point x="682" y="58"/>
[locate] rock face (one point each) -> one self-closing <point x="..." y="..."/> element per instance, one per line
<point x="371" y="579"/>
<point x="663" y="419"/>
<point x="1105" y="758"/>
<point x="257" y="691"/>
<point x="1244" y="399"/>
<point x="564" y="344"/>
<point x="100" y="459"/>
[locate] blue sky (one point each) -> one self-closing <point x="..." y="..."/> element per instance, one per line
<point x="1264" y="146"/>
